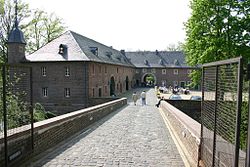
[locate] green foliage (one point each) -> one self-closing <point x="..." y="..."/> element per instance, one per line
<point x="244" y="125"/>
<point x="38" y="26"/>
<point x="150" y="78"/>
<point x="1" y="7"/>
<point x="7" y="18"/>
<point x="40" y="113"/>
<point x="42" y="29"/>
<point x="216" y="30"/>
<point x="174" y="47"/>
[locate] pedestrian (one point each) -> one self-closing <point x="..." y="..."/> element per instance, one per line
<point x="143" y="98"/>
<point x="134" y="97"/>
<point x="159" y="102"/>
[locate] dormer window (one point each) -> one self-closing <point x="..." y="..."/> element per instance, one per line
<point x="176" y="62"/>
<point x="62" y="49"/>
<point x="94" y="50"/>
<point x="161" y="62"/>
<point x="146" y="62"/>
<point x="108" y="54"/>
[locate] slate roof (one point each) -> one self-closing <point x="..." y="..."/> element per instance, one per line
<point x="158" y="59"/>
<point x="79" y="49"/>
<point x="16" y="35"/>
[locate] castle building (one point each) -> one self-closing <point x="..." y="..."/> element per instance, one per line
<point x="72" y="70"/>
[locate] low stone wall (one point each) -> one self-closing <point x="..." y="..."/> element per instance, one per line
<point x="50" y="132"/>
<point x="186" y="131"/>
<point x="97" y="101"/>
<point x="190" y="107"/>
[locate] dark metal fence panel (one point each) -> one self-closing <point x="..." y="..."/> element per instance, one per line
<point x="208" y="115"/>
<point x="221" y="113"/>
<point x="18" y="115"/>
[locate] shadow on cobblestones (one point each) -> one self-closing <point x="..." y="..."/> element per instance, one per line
<point x="68" y="143"/>
<point x="130" y="136"/>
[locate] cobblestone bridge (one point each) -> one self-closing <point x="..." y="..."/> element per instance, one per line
<point x="132" y="136"/>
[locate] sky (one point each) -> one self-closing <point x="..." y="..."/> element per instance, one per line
<point x="123" y="24"/>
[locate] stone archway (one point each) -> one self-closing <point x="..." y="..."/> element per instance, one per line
<point x="112" y="86"/>
<point x="148" y="82"/>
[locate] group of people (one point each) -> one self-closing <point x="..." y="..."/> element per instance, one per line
<point x="143" y="98"/>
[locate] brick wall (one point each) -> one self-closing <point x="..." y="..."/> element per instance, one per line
<point x="169" y="77"/>
<point x="56" y="81"/>
<point x="100" y="75"/>
<point x="50" y="132"/>
<point x="186" y="131"/>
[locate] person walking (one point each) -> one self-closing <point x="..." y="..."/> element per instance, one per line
<point x="134" y="98"/>
<point x="159" y="102"/>
<point x="143" y="98"/>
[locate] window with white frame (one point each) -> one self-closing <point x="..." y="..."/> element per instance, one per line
<point x="164" y="71"/>
<point x="67" y="71"/>
<point x="43" y="71"/>
<point x="100" y="69"/>
<point x="176" y="71"/>
<point x="105" y="70"/>
<point x="175" y="83"/>
<point x="106" y="89"/>
<point x="93" y="69"/>
<point x="153" y="70"/>
<point x="45" y="92"/>
<point x="67" y="92"/>
<point x="189" y="71"/>
<point x="137" y="71"/>
<point x="144" y="70"/>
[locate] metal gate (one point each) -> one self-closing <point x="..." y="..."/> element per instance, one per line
<point x="223" y="138"/>
<point x="16" y="114"/>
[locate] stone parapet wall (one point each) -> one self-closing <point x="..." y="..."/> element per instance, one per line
<point x="185" y="130"/>
<point x="50" y="132"/>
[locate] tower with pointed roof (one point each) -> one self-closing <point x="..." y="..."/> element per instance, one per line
<point x="16" y="43"/>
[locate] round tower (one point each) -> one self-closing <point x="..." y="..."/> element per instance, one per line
<point x="16" y="43"/>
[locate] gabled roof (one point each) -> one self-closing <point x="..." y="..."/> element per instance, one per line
<point x="79" y="48"/>
<point x="175" y="59"/>
<point x="145" y="59"/>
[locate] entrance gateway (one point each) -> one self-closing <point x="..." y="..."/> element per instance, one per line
<point x="148" y="79"/>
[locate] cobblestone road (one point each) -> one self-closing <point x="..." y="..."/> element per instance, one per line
<point x="132" y="136"/>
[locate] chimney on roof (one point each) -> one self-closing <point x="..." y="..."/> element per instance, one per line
<point x="63" y="50"/>
<point x="123" y="52"/>
<point x="156" y="52"/>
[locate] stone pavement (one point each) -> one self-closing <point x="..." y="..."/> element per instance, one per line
<point x="132" y="136"/>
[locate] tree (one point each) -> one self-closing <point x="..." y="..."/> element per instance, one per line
<point x="42" y="29"/>
<point x="175" y="47"/>
<point x="216" y="30"/>
<point x="38" y="26"/>
<point x="7" y="17"/>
